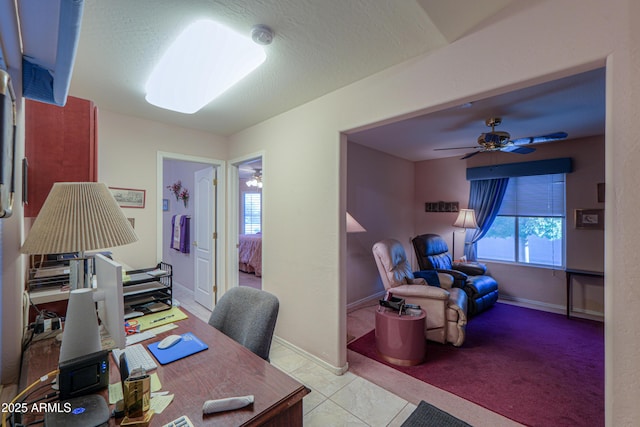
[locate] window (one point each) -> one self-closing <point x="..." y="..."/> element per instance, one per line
<point x="252" y="212"/>
<point x="530" y="226"/>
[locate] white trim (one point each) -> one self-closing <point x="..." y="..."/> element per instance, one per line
<point x="364" y="301"/>
<point x="551" y="308"/>
<point x="336" y="370"/>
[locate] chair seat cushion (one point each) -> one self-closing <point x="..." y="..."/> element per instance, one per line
<point x="431" y="276"/>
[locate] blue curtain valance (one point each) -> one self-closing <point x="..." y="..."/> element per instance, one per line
<point x="509" y="170"/>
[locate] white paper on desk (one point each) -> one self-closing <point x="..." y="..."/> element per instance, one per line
<point x="160" y="403"/>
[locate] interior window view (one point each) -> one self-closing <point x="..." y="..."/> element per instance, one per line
<point x="445" y="193"/>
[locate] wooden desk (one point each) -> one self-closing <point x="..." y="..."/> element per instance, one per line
<point x="575" y="272"/>
<point x="226" y="369"/>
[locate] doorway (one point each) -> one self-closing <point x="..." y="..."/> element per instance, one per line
<point x="190" y="195"/>
<point x="248" y="187"/>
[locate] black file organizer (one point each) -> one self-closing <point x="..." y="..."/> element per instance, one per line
<point x="145" y="293"/>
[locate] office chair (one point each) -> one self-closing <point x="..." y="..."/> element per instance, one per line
<point x="248" y="316"/>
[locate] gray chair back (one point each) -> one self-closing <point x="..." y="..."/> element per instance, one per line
<point x="248" y="316"/>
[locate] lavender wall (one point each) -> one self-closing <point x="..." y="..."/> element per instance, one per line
<point x="183" y="264"/>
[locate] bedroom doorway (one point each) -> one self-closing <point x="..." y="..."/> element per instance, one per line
<point x="249" y="204"/>
<point x="196" y="254"/>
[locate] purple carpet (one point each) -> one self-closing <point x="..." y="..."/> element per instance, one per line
<point x="537" y="368"/>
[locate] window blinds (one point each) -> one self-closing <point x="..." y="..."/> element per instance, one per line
<point x="538" y="195"/>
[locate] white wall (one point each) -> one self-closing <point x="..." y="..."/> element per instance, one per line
<point x="127" y="157"/>
<point x="304" y="235"/>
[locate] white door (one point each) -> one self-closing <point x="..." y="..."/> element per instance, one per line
<point x="204" y="244"/>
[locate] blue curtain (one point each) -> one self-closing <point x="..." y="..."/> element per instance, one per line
<point x="485" y="198"/>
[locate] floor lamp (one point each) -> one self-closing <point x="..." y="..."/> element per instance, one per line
<point x="466" y="220"/>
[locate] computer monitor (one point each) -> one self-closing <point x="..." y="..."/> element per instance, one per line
<point x="111" y="305"/>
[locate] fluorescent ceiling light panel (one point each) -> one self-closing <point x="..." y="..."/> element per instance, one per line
<point x="202" y="63"/>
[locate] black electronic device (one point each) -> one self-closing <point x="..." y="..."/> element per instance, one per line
<point x="83" y="375"/>
<point x="84" y="411"/>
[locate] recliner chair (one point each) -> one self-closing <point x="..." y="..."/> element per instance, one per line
<point x="432" y="252"/>
<point x="446" y="307"/>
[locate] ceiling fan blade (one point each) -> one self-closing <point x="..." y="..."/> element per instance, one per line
<point x="454" y="148"/>
<point x="517" y="149"/>
<point x="541" y="138"/>
<point x="466" y="156"/>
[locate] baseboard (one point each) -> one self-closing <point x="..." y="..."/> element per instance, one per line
<point x="182" y="287"/>
<point x="365" y="301"/>
<point x="551" y="308"/>
<point x="336" y="370"/>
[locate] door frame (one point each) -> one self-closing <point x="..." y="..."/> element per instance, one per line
<point x="218" y="222"/>
<point x="233" y="210"/>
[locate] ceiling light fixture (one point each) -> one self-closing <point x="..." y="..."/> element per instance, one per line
<point x="201" y="64"/>
<point x="256" y="179"/>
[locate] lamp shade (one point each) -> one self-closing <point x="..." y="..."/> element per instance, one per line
<point x="78" y="217"/>
<point x="353" y="226"/>
<point x="466" y="219"/>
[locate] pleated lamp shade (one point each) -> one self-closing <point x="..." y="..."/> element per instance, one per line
<point x="78" y="217"/>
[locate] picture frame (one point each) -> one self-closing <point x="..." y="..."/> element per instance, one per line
<point x="442" y="206"/>
<point x="589" y="219"/>
<point x="165" y="205"/>
<point x="129" y="197"/>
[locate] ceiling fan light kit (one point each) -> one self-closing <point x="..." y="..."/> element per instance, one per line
<point x="501" y="141"/>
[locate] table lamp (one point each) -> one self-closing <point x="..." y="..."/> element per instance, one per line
<point x="466" y="220"/>
<point x="78" y="217"/>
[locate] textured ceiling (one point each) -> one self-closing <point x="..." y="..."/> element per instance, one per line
<point x="319" y="46"/>
<point x="574" y="104"/>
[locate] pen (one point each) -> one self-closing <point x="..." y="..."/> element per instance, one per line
<point x="162" y="318"/>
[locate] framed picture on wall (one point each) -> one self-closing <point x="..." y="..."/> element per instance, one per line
<point x="128" y="197"/>
<point x="589" y="219"/>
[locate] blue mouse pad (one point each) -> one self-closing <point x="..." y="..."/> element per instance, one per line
<point x="188" y="345"/>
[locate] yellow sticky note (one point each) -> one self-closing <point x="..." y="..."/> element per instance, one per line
<point x="115" y="393"/>
<point x="155" y="383"/>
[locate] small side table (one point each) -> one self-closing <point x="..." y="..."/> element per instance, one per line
<point x="400" y="340"/>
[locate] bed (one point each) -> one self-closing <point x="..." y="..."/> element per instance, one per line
<point x="250" y="253"/>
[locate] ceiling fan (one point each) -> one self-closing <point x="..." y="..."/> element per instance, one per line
<point x="500" y="141"/>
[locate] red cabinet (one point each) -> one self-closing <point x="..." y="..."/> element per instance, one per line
<point x="60" y="146"/>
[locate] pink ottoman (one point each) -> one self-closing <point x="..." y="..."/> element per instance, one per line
<point x="400" y="339"/>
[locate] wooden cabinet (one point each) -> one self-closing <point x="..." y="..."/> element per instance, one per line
<point x="60" y="146"/>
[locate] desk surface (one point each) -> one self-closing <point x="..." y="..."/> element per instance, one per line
<point x="226" y="369"/>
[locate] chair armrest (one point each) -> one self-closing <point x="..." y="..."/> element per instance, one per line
<point x="458" y="301"/>
<point x="420" y="291"/>
<point x="471" y="268"/>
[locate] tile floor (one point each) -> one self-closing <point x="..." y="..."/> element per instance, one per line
<point x="369" y="394"/>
